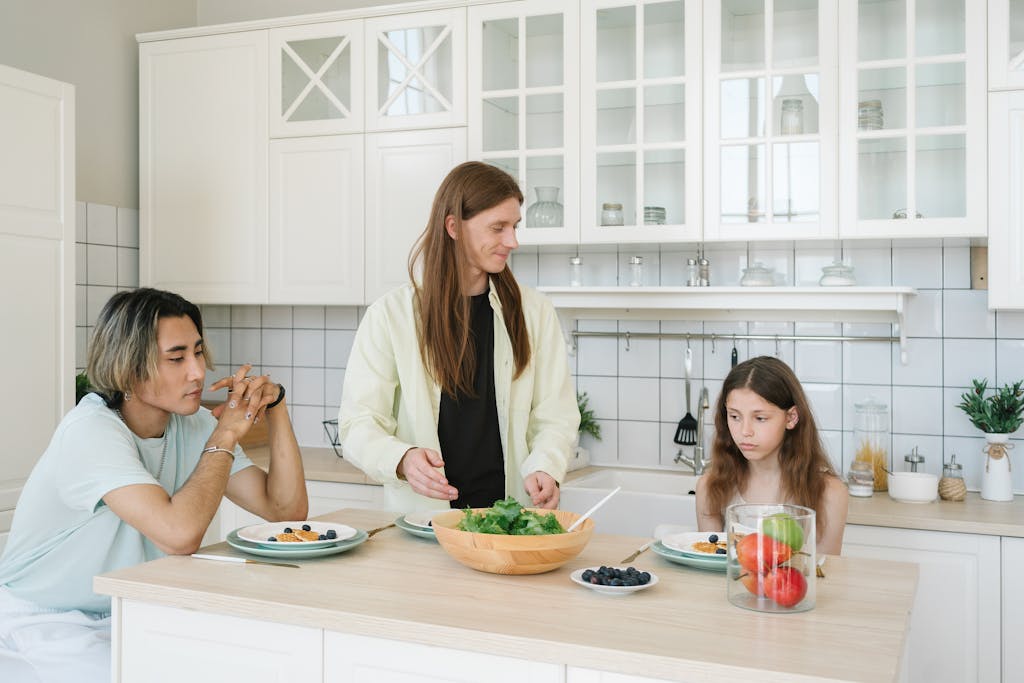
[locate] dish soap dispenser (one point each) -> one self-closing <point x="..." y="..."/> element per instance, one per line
<point x="952" y="486"/>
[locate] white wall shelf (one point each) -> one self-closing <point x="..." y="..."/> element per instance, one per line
<point x="812" y="304"/>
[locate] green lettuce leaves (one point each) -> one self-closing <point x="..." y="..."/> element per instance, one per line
<point x="508" y="517"/>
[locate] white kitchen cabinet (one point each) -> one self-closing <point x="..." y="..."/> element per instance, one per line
<point x="316" y="220"/>
<point x="403" y="172"/>
<point x="770" y="87"/>
<point x="955" y="621"/>
<point x="390" y="661"/>
<point x="169" y="644"/>
<point x="1006" y="200"/>
<point x="912" y="119"/>
<point x="576" y="674"/>
<point x="416" y="70"/>
<point x="203" y="167"/>
<point x="1005" y="44"/>
<point x="316" y="79"/>
<point x="1013" y="616"/>
<point x="524" y="116"/>
<point x="37" y="271"/>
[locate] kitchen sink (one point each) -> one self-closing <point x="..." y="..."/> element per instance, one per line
<point x="648" y="498"/>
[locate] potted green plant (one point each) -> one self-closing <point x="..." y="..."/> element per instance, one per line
<point x="998" y="415"/>
<point x="82" y="386"/>
<point x="588" y="424"/>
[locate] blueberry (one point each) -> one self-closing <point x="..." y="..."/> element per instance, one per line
<point x="630" y="581"/>
<point x="713" y="538"/>
<point x="587" y="574"/>
<point x="272" y="539"/>
<point x="430" y="522"/>
<point x="719" y="551"/>
<point x="615" y="582"/>
<point x="331" y="534"/>
<point x="306" y="527"/>
<point x="596" y="580"/>
<point x="645" y="578"/>
<point x="322" y="537"/>
<point x="288" y="530"/>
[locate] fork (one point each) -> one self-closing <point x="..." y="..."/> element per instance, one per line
<point x="636" y="553"/>
<point x="371" y="532"/>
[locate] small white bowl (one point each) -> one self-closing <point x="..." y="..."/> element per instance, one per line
<point x="913" y="487"/>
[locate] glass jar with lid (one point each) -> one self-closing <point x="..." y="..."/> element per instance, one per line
<point x="871" y="439"/>
<point x="952" y="486"/>
<point x="838" y="274"/>
<point x="611" y="214"/>
<point x="861" y="478"/>
<point x="758" y="274"/>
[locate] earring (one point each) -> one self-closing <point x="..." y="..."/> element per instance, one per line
<point x="127" y="396"/>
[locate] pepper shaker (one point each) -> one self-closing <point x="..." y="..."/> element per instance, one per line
<point x="575" y="271"/>
<point x="704" y="270"/>
<point x="692" y="274"/>
<point x="636" y="271"/>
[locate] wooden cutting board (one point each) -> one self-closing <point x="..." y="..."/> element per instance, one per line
<point x="255" y="437"/>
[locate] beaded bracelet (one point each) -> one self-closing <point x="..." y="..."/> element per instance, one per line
<point x="218" y="449"/>
<point x="280" y="397"/>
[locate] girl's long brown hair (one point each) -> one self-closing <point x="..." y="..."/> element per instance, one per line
<point x="802" y="459"/>
<point x="443" y="321"/>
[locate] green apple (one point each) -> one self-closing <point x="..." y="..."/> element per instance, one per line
<point x="784" y="529"/>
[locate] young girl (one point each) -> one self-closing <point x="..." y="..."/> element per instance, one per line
<point x="767" y="450"/>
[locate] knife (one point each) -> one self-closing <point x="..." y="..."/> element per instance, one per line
<point x="371" y="532"/>
<point x="245" y="560"/>
<point x="637" y="552"/>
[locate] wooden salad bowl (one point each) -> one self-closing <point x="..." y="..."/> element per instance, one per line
<point x="503" y="554"/>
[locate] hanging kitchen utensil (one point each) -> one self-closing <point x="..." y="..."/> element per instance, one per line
<point x="735" y="358"/>
<point x="686" y="430"/>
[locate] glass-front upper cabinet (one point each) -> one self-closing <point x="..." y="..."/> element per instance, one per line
<point x="1005" y="44"/>
<point x="912" y="118"/>
<point x="524" y="90"/>
<point x="316" y="79"/>
<point x="640" y="155"/>
<point x="770" y="119"/>
<point x="416" y="70"/>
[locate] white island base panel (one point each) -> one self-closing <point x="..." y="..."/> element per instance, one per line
<point x="398" y="608"/>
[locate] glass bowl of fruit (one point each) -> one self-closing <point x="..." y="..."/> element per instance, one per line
<point x="770" y="557"/>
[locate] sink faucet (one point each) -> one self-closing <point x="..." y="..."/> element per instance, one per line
<point x="698" y="461"/>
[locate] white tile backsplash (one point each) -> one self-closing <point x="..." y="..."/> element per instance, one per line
<point x="965" y="314"/>
<point x="101" y="224"/>
<point x="639" y="398"/>
<point x="127" y="267"/>
<point x="102" y="265"/>
<point x="127" y="227"/>
<point x="276" y="316"/>
<point x="276" y="347"/>
<point x="309" y="348"/>
<point x="967" y="359"/>
<point x="919" y="267"/>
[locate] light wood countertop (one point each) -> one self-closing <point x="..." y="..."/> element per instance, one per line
<point x="397" y="586"/>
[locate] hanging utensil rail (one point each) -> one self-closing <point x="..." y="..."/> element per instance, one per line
<point x="718" y="336"/>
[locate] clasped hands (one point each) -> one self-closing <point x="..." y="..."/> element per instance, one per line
<point x="421" y="468"/>
<point x="248" y="398"/>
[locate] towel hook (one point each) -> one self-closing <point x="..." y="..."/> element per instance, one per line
<point x="778" y="353"/>
<point x="627" y="340"/>
<point x="687" y="341"/>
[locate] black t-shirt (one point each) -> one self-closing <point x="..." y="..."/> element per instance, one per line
<point x="467" y="427"/>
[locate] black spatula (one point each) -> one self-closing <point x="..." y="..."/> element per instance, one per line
<point x="686" y="430"/>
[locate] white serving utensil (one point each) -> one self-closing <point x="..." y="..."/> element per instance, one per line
<point x="593" y="509"/>
<point x="241" y="560"/>
<point x="636" y="553"/>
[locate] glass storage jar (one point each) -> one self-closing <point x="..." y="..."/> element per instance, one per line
<point x="758" y="274"/>
<point x="952" y="486"/>
<point x="636" y="271"/>
<point x="611" y="214"/>
<point x="861" y="478"/>
<point x="871" y="439"/>
<point x="838" y="274"/>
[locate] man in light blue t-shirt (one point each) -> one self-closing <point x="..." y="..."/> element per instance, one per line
<point x="136" y="471"/>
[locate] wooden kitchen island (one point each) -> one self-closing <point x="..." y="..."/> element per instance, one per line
<point x="398" y="608"/>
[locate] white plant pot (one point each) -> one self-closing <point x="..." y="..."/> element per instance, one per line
<point x="996" y="480"/>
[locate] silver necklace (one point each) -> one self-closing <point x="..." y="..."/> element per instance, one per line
<point x="163" y="454"/>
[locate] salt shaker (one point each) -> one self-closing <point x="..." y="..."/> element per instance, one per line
<point x="575" y="271"/>
<point x="636" y="271"/>
<point x="692" y="275"/>
<point x="952" y="486"/>
<point x="704" y="272"/>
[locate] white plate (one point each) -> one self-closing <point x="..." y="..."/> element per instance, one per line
<point x="422" y="518"/>
<point x="261" y="533"/>
<point x="683" y="543"/>
<point x="577" y="576"/>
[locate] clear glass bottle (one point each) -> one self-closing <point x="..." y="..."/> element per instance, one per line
<point x="636" y="271"/>
<point x="692" y="274"/>
<point x="871" y="439"/>
<point x="575" y="271"/>
<point x="704" y="272"/>
<point x="611" y="214"/>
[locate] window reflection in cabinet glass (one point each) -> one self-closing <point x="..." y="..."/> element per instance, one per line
<point x="743" y="184"/>
<point x="795" y="33"/>
<point x="803" y="88"/>
<point x="417" y="71"/>
<point x="544" y="49"/>
<point x="616" y="183"/>
<point x="742" y="108"/>
<point x="795" y="179"/>
<point x="544" y="114"/>
<point x="500" y="45"/>
<point x="664" y="113"/>
<point x="941" y="94"/>
<point x="616" y="44"/>
<point x="616" y="117"/>
<point x="1016" y="28"/>
<point x="882" y="177"/>
<point x="500" y="123"/>
<point x="939" y="27"/>
<point x="889" y="86"/>
<point x="742" y="34"/>
<point x="941" y="176"/>
<point x="881" y="29"/>
<point x="316" y="79"/>
<point x="665" y="184"/>
<point x="664" y="40"/>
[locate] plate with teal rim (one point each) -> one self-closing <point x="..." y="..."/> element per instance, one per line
<point x="255" y="549"/>
<point x="415" y="530"/>
<point x="710" y="563"/>
<point x="265" y="534"/>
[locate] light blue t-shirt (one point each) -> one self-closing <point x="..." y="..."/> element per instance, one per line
<point x="63" y="533"/>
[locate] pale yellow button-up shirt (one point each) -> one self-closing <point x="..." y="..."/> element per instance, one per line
<point x="390" y="403"/>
